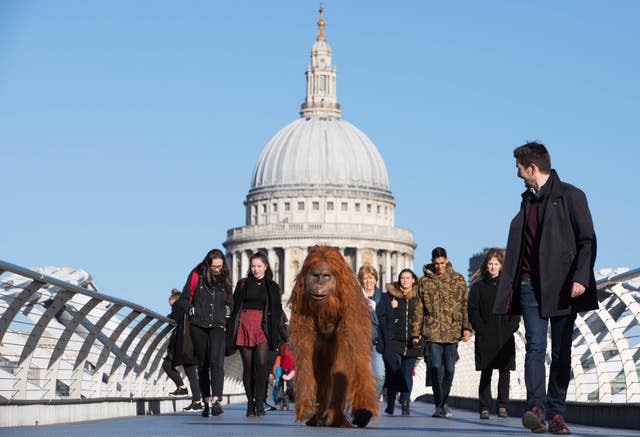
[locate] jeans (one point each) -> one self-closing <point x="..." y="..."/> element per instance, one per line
<point x="552" y="401"/>
<point x="406" y="375"/>
<point x="442" y="366"/>
<point x="378" y="370"/>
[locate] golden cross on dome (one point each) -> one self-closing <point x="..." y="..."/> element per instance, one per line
<point x="321" y="24"/>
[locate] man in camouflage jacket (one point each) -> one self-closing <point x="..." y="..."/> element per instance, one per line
<point x="442" y="321"/>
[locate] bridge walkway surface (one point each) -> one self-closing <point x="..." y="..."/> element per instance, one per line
<point x="281" y="423"/>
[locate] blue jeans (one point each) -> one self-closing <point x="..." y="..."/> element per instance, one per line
<point x="552" y="401"/>
<point x="443" y="365"/>
<point x="378" y="370"/>
<point x="406" y="379"/>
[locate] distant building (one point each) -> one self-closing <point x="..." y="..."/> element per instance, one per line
<point x="320" y="180"/>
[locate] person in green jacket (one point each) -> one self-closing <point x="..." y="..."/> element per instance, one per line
<point x="442" y="320"/>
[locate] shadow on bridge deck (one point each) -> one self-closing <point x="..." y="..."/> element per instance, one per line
<point x="281" y="424"/>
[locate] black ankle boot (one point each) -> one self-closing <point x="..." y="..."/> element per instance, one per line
<point x="260" y="408"/>
<point x="405" y="407"/>
<point x="391" y="405"/>
<point x="251" y="409"/>
<point x="205" y="409"/>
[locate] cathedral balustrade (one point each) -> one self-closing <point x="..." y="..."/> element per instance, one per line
<point x="59" y="339"/>
<point x="282" y="230"/>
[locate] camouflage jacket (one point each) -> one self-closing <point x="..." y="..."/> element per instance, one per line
<point x="443" y="314"/>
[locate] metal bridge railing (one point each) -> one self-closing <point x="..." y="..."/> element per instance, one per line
<point x="606" y="343"/>
<point x="605" y="354"/>
<point x="59" y="339"/>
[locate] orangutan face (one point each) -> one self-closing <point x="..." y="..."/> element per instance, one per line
<point x="320" y="283"/>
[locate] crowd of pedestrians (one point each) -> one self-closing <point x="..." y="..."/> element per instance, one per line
<point x="546" y="276"/>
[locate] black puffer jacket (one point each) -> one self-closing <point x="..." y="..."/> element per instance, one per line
<point x="210" y="305"/>
<point x="403" y="315"/>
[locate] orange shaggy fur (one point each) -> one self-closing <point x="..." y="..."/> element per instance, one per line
<point x="334" y="375"/>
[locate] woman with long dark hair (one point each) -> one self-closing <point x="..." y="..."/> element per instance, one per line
<point x="256" y="317"/>
<point x="208" y="290"/>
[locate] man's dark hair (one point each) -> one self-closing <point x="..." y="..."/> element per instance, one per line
<point x="534" y="153"/>
<point x="438" y="252"/>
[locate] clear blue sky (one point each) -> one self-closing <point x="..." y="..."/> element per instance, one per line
<point x="129" y="129"/>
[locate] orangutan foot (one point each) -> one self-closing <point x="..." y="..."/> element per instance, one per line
<point x="362" y="417"/>
<point x="314" y="421"/>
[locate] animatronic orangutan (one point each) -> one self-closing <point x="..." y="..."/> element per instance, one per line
<point x="330" y="334"/>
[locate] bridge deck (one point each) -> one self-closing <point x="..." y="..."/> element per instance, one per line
<point x="281" y="424"/>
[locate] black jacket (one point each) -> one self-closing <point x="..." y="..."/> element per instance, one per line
<point x="273" y="314"/>
<point x="403" y="315"/>
<point x="209" y="304"/>
<point x="494" y="343"/>
<point x="567" y="253"/>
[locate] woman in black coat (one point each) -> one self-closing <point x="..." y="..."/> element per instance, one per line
<point x="255" y="323"/>
<point x="176" y="355"/>
<point x="494" y="342"/>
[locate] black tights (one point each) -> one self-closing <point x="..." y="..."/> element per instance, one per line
<point x="255" y="372"/>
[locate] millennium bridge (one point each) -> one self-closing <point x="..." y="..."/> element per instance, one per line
<point x="75" y="361"/>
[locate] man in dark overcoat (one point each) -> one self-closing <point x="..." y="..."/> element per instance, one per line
<point x="548" y="278"/>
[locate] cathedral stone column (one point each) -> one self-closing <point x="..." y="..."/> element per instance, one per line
<point x="272" y="256"/>
<point x="232" y="267"/>
<point x="387" y="266"/>
<point x="375" y="262"/>
<point x="287" y="281"/>
<point x="244" y="263"/>
<point x="358" y="259"/>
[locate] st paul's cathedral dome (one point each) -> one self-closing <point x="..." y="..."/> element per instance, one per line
<point x="320" y="181"/>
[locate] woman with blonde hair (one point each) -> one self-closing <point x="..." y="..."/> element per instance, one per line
<point x="381" y="318"/>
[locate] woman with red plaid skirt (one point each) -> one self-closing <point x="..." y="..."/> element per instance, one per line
<point x="257" y="313"/>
